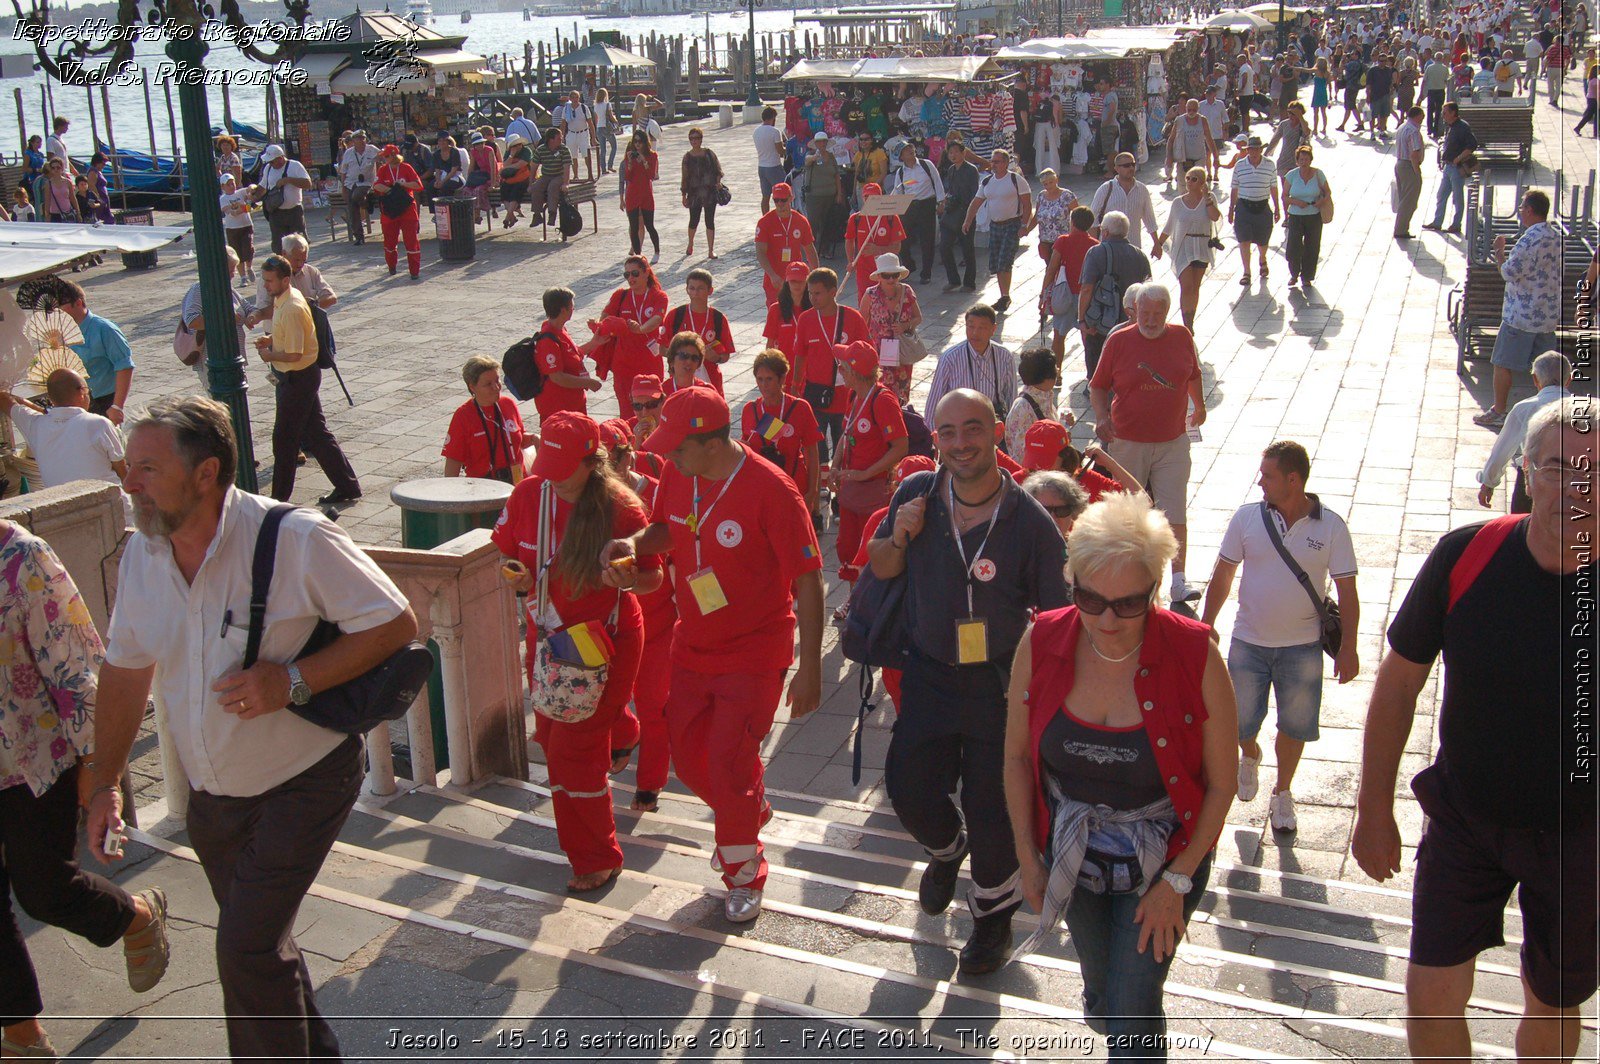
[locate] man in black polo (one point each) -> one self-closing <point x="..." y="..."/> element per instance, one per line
<point x="960" y="185"/>
<point x="1510" y="798"/>
<point x="1458" y="143"/>
<point x="978" y="554"/>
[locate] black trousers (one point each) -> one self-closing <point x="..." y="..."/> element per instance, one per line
<point x="301" y="427"/>
<point x="1435" y="103"/>
<point x="282" y="222"/>
<point x="101" y="403"/>
<point x="951" y="239"/>
<point x="831" y="426"/>
<point x="38" y="842"/>
<point x="921" y="223"/>
<point x="260" y="855"/>
<point x="1303" y="245"/>
<point x="356" y="212"/>
<point x="1093" y="342"/>
<point x="950" y="736"/>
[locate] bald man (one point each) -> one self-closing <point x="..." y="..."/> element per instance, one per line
<point x="67" y="441"/>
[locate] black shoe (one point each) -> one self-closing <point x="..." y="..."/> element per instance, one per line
<point x="969" y="288"/>
<point x="1432" y="226"/>
<point x="938" y="884"/>
<point x="1002" y="304"/>
<point x="986" y="951"/>
<point x="334" y="498"/>
<point x="1454" y="230"/>
<point x="1405" y="236"/>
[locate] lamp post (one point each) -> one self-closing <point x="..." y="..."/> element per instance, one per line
<point x="181" y="22"/>
<point x="1283" y="32"/>
<point x="753" y="100"/>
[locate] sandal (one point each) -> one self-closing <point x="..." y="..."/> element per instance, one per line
<point x="148" y="963"/>
<point x="593" y="881"/>
<point x="1245" y="280"/>
<point x="620" y="759"/>
<point x="40" y="1050"/>
<point x="645" y="801"/>
<point x="1263" y="271"/>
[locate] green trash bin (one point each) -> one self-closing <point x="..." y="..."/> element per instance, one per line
<point x="434" y="511"/>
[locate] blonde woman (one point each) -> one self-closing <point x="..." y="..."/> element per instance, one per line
<point x="605" y="127"/>
<point x="1188" y="234"/>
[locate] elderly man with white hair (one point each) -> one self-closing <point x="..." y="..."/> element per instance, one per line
<point x="307" y="280"/>
<point x="1552" y="373"/>
<point x="1110" y="268"/>
<point x="1147" y="380"/>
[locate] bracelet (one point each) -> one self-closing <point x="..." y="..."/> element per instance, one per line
<point x="112" y="787"/>
<point x="116" y="407"/>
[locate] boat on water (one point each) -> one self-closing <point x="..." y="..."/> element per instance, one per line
<point x="419" y="11"/>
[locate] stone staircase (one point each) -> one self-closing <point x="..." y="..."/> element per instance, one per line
<point x="843" y="964"/>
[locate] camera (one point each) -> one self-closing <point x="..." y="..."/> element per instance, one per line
<point x="1215" y="245"/>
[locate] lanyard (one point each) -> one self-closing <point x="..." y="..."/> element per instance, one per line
<point x="972" y="371"/>
<point x="966" y="566"/>
<point x="639" y="307"/>
<point x="699" y="518"/>
<point x="488" y="435"/>
<point x="837" y="331"/>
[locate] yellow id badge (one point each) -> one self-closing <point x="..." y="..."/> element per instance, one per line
<point x="787" y="254"/>
<point x="707" y="591"/>
<point x="972" y="641"/>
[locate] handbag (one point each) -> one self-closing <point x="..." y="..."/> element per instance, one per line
<point x="1327" y="608"/>
<point x="187" y="344"/>
<point x="395" y="202"/>
<point x="724" y="194"/>
<point x="477" y="179"/>
<point x="355" y="707"/>
<point x="1326" y="209"/>
<point x="1062" y="301"/>
<point x="273" y="200"/>
<point x="875" y="630"/>
<point x="564" y="690"/>
<point x="912" y="349"/>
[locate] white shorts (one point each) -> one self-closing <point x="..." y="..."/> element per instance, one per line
<point x="578" y="144"/>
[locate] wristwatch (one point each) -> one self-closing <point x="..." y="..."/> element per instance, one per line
<point x="1180" y="883"/>
<point x="299" y="690"/>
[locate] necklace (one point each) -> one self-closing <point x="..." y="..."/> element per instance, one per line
<point x="1106" y="657"/>
<point x="981" y="502"/>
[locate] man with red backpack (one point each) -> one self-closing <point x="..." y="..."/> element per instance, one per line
<point x="1510" y="799"/>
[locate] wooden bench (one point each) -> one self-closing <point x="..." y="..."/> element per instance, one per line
<point x="577" y="193"/>
<point x="10" y="178"/>
<point x="337" y="206"/>
<point x="1504" y="130"/>
<point x="1474" y="306"/>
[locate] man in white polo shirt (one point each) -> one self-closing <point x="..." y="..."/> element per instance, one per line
<point x="1277" y="634"/>
<point x="67" y="441"/>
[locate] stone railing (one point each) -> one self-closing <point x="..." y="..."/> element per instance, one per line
<point x="455" y="590"/>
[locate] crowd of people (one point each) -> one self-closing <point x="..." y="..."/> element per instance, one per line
<point x="1069" y="727"/>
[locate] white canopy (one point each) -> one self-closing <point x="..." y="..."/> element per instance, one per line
<point x="1237" y="20"/>
<point x="905" y="68"/>
<point x="1118" y="44"/>
<point x="19" y="264"/>
<point x="75" y="240"/>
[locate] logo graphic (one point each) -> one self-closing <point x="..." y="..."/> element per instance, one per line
<point x="390" y="64"/>
<point x="863" y="425"/>
<point x="983" y="569"/>
<point x="729" y="534"/>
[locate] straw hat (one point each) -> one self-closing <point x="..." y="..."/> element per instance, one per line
<point x="889" y="263"/>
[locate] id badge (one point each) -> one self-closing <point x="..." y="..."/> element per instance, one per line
<point x="889" y="351"/>
<point x="707" y="591"/>
<point x="972" y="641"/>
<point x="787" y="254"/>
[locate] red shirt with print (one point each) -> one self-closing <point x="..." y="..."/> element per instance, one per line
<point x="711" y="325"/>
<point x="485" y="440"/>
<point x="1149" y="381"/>
<point x="558" y="354"/>
<point x="814" y="339"/>
<point x="637" y="352"/>
<point x="875" y="421"/>
<point x="799" y="431"/>
<point x="785" y="239"/>
<point x="756" y="537"/>
<point x="516" y="534"/>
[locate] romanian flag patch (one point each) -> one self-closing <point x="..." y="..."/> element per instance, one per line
<point x="809" y="551"/>
<point x="697" y="422"/>
<point x="769" y="426"/>
<point x="587" y="644"/>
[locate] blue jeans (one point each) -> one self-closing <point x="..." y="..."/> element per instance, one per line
<point x="608" y="147"/>
<point x="1452" y="186"/>
<point x="1122" y="988"/>
<point x="1294" y="675"/>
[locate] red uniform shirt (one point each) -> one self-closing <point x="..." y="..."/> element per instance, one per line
<point x="756" y="537"/>
<point x="1149" y="380"/>
<point x="815" y="336"/>
<point x="389" y="173"/>
<point x="864" y="230"/>
<point x="875" y="421"/>
<point x="638" y="181"/>
<point x="484" y="441"/>
<point x="559" y="354"/>
<point x="1071" y="248"/>
<point x="637" y="352"/>
<point x="711" y="325"/>
<point x="785" y="239"/>
<point x="1095" y="484"/>
<point x="799" y="431"/>
<point x="780" y="334"/>
<point x="659" y="608"/>
<point x="516" y="534"/>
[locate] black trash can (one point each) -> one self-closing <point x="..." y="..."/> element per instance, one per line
<point x="458" y="236"/>
<point x="137" y="260"/>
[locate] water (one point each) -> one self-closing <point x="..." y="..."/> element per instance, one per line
<point x="487" y="34"/>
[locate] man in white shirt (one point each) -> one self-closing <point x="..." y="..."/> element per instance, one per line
<point x="67" y="441"/>
<point x="282" y="186"/>
<point x="1552" y="375"/>
<point x="55" y="145"/>
<point x="358" y="169"/>
<point x="769" y="154"/>
<point x="1531" y="54"/>
<point x="1408" y="153"/>
<point x="1010" y="208"/>
<point x="1215" y="111"/>
<point x="269" y="790"/>
<point x="577" y="125"/>
<point x="1277" y="634"/>
<point x="1127" y="196"/>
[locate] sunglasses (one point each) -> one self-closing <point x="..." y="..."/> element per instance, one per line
<point x="688" y="356"/>
<point x="631" y="274"/>
<point x="1062" y="512"/>
<point x="1126" y="608"/>
<point x="651" y="405"/>
<point x="1124" y="166"/>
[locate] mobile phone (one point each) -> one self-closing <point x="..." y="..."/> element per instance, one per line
<point x="112" y="844"/>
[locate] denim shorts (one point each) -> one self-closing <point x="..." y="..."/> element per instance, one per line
<point x="1516" y="350"/>
<point x="770" y="175"/>
<point x="1294" y="675"/>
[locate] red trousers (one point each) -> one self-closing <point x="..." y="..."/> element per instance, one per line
<point x="650" y="703"/>
<point x="848" y="539"/>
<point x="717" y="724"/>
<point x="393" y="230"/>
<point x="579" y="759"/>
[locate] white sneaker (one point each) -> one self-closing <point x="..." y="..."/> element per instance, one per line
<point x="1183" y="591"/>
<point x="1249" y="777"/>
<point x="742" y="905"/>
<point x="1281" y="812"/>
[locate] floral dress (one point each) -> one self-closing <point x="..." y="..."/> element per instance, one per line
<point x="1052" y="217"/>
<point x="50" y="656"/>
<point x="885" y="322"/>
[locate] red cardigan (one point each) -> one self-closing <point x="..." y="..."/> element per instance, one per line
<point x="1167" y="685"/>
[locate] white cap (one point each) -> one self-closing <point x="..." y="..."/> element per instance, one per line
<point x="272" y="154"/>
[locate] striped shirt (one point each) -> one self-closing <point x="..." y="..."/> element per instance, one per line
<point x="551" y="161"/>
<point x="993" y="373"/>
<point x="1254" y="181"/>
<point x="1407" y="140"/>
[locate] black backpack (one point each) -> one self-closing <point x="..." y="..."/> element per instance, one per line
<point x="918" y="439"/>
<point x="570" y="222"/>
<point x="524" y="379"/>
<point x="327" y="350"/>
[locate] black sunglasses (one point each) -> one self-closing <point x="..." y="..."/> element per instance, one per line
<point x="631" y="274"/>
<point x="651" y="405"/>
<point x="1059" y="511"/>
<point x="1126" y="608"/>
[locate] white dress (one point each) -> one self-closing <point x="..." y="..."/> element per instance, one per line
<point x="1187" y="231"/>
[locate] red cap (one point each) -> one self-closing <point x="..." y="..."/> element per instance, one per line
<point x="568" y="439"/>
<point x="1043" y="443"/>
<point x="797" y="271"/>
<point x="645" y="386"/>
<point x="686" y="413"/>
<point x="871" y="188"/>
<point x="614" y="433"/>
<point x="859" y="355"/>
<point x="913" y="463"/>
<point x="782" y="190"/>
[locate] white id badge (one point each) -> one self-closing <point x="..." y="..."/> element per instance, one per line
<point x="889" y="351"/>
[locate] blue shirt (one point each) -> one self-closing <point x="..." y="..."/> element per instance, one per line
<point x="105" y="353"/>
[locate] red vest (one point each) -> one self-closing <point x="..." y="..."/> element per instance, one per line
<point x="1167" y="685"/>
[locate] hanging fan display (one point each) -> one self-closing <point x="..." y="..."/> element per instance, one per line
<point x="42" y="293"/>
<point x="53" y="332"/>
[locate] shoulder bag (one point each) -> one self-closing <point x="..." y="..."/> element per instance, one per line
<point x="875" y="631"/>
<point x="567" y="678"/>
<point x="356" y="706"/>
<point x="1327" y="608"/>
<point x="1326" y="210"/>
<point x="187" y="344"/>
<point x="821" y="396"/>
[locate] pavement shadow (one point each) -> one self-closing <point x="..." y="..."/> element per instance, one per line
<point x="1259" y="316"/>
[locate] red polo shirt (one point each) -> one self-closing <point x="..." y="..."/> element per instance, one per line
<point x="558" y="354"/>
<point x="815" y="336"/>
<point x="636" y="352"/>
<point x="875" y="421"/>
<point x="799" y="430"/>
<point x="483" y="441"/>
<point x="1149" y="381"/>
<point x="785" y="239"/>
<point x="711" y="325"/>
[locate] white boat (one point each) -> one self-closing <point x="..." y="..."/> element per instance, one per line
<point x="419" y="11"/>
